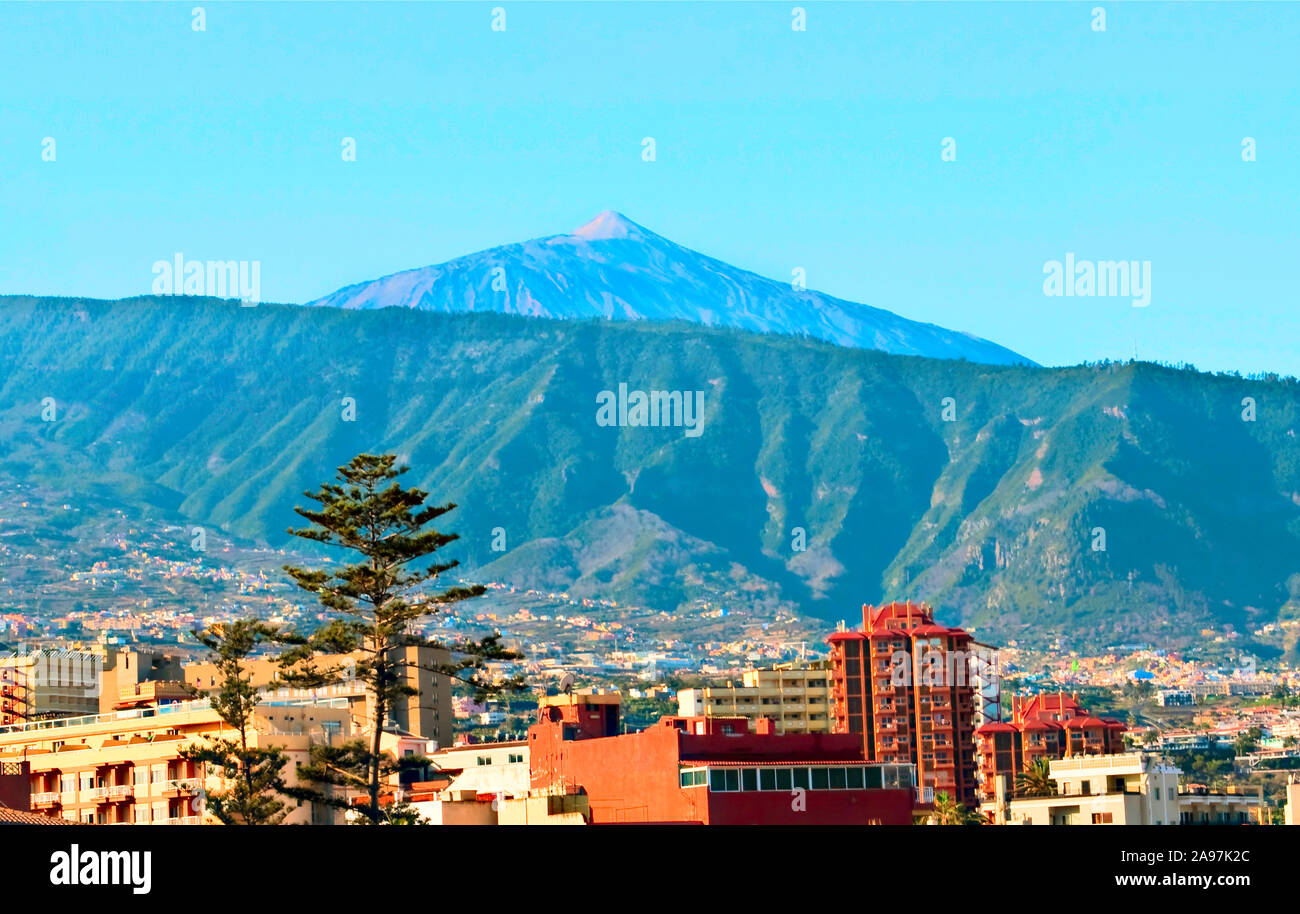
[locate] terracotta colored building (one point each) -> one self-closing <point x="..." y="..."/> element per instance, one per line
<point x="902" y="686"/>
<point x="1050" y="726"/>
<point x="710" y="770"/>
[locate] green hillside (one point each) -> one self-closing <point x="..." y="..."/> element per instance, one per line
<point x="225" y="415"/>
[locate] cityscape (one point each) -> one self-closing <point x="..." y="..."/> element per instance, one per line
<point x="843" y="420"/>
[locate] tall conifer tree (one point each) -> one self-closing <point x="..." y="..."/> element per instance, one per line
<point x="379" y="600"/>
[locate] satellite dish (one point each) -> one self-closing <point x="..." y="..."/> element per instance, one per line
<point x="566" y="684"/>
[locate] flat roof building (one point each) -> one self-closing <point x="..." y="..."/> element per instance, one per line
<point x="1121" y="789"/>
<point x="795" y="697"/>
<point x="710" y="770"/>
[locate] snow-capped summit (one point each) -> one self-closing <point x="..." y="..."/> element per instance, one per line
<point x="615" y="269"/>
<point x="610" y="224"/>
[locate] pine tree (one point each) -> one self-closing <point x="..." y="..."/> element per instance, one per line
<point x="379" y="601"/>
<point x="254" y="775"/>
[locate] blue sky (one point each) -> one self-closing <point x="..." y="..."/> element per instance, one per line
<point x="776" y="149"/>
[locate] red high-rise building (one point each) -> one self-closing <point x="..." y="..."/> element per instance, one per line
<point x="1050" y="726"/>
<point x="901" y="684"/>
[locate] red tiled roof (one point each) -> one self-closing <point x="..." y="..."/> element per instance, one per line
<point x="19" y="817"/>
<point x="1037" y="724"/>
<point x="930" y="630"/>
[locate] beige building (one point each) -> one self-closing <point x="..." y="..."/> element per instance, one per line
<point x="48" y="683"/>
<point x="1291" y="814"/>
<point x="795" y="697"/>
<point x="1122" y="789"/>
<point x="125" y="766"/>
<point x="426" y="714"/>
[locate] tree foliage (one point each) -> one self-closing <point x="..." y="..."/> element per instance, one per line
<point x="1036" y="780"/>
<point x="253" y="775"/>
<point x="379" y="601"/>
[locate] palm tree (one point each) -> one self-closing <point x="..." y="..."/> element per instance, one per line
<point x="948" y="811"/>
<point x="1036" y="780"/>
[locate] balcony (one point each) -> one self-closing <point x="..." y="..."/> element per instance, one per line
<point x="48" y="798"/>
<point x="180" y="786"/>
<point x="924" y="795"/>
<point x="121" y="792"/>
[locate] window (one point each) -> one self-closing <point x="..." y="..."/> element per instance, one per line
<point x="1157" y="795"/>
<point x="483" y="760"/>
<point x="767" y="779"/>
<point x="1102" y="818"/>
<point x="693" y="777"/>
<point x="782" y="778"/>
<point x="516" y="758"/>
<point x="820" y="779"/>
<point x="748" y="779"/>
<point x="1086" y="788"/>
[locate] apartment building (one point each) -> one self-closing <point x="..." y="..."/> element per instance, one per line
<point x="903" y="685"/>
<point x="1046" y="726"/>
<point x="499" y="769"/>
<point x="48" y="683"/>
<point x="125" y="766"/>
<point x="795" y="697"/>
<point x="1120" y="789"/>
<point x="427" y="713"/>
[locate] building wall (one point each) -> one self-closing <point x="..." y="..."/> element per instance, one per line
<point x="557" y="809"/>
<point x="126" y="766"/>
<point x="628" y="778"/>
<point x="495" y="768"/>
<point x="637" y="777"/>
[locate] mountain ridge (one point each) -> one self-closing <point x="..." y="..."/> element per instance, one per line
<point x="227" y="414"/>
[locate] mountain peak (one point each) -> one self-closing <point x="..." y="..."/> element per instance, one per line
<point x="608" y="225"/>
<point x="614" y="269"/>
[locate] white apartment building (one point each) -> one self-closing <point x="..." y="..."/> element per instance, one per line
<point x="1123" y="789"/>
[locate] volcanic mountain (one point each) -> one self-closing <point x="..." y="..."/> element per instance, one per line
<point x="614" y="269"/>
